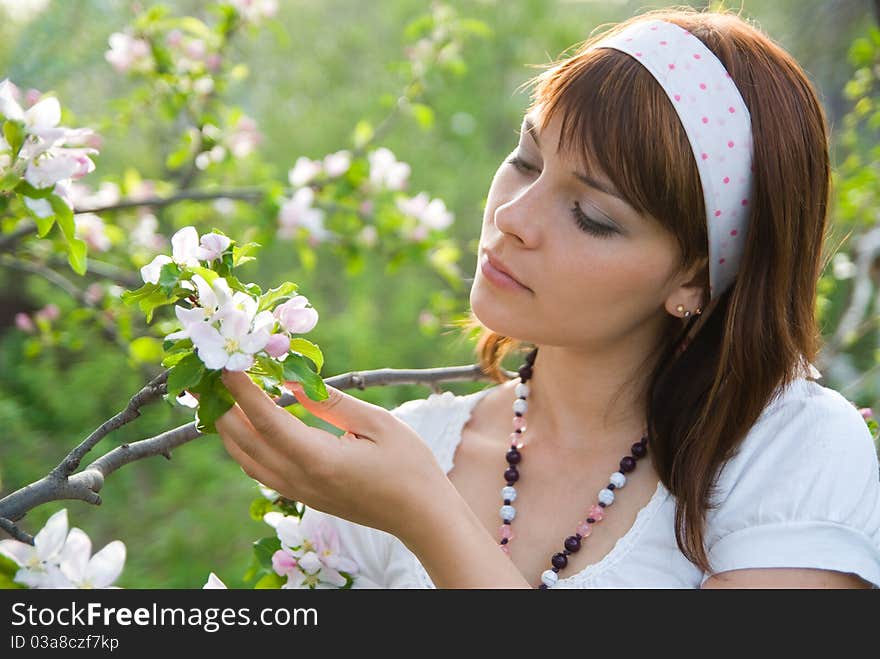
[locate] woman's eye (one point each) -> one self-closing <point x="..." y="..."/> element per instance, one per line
<point x="521" y="164"/>
<point x="589" y="225"/>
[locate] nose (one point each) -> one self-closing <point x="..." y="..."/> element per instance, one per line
<point x="519" y="217"/>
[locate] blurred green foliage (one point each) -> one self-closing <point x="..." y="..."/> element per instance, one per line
<point x="314" y="73"/>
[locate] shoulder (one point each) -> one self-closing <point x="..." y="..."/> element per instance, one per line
<point x="439" y="419"/>
<point x="802" y="490"/>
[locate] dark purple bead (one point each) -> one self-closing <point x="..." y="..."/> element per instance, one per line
<point x="543" y="585"/>
<point x="627" y="464"/>
<point x="517" y="414"/>
<point x="507" y="502"/>
<point x="602" y="504"/>
<point x="638" y="450"/>
<point x="559" y="560"/>
<point x="555" y="569"/>
<point x="506" y="521"/>
<point x="590" y="520"/>
<point x="511" y="475"/>
<point x="530" y="357"/>
<point x="572" y="543"/>
<point x="504" y="541"/>
<point x="611" y="486"/>
<point x="513" y="456"/>
<point x="525" y="372"/>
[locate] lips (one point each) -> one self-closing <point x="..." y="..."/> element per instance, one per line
<point x="501" y="267"/>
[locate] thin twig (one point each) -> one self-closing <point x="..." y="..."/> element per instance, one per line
<point x="62" y="484"/>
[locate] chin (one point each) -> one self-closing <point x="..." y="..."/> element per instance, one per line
<point x="494" y="311"/>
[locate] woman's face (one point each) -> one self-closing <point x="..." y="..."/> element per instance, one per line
<point x="593" y="271"/>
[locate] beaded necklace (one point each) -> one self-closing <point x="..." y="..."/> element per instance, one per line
<point x="511" y="475"/>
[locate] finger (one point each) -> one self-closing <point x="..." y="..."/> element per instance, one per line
<point x="344" y="411"/>
<point x="252" y="468"/>
<point x="267" y="418"/>
<point x="235" y="427"/>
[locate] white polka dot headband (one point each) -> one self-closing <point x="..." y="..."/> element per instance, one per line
<point x="717" y="124"/>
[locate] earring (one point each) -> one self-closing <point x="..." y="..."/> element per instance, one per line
<point x="680" y="308"/>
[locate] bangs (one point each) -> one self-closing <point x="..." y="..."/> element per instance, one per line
<point x="617" y="122"/>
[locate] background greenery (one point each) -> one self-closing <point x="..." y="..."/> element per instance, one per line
<point x="314" y="72"/>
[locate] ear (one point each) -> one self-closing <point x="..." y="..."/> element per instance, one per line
<point x="687" y="290"/>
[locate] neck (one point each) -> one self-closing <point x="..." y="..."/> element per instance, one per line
<point x="586" y="402"/>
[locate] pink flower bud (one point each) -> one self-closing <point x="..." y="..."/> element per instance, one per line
<point x="295" y="317"/>
<point x="277" y="346"/>
<point x="867" y="412"/>
<point x="24" y="322"/>
<point x="50" y="312"/>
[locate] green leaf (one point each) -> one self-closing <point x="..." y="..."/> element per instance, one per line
<point x="310" y="350"/>
<point x="272" y="296"/>
<point x="214" y="401"/>
<point x="169" y="276"/>
<point x="145" y="350"/>
<point x="76" y="256"/>
<point x="64" y="216"/>
<point x="296" y="369"/>
<point x="155" y="299"/>
<point x="181" y="345"/>
<point x="14" y="133"/>
<point x="8" y="567"/>
<point x="207" y="274"/>
<point x="241" y="255"/>
<point x="363" y="133"/>
<point x="264" y="548"/>
<point x="9" y="180"/>
<point x="130" y="297"/>
<point x="44" y="225"/>
<point x="26" y="189"/>
<point x="423" y="114"/>
<point x="270" y="581"/>
<point x="260" y="507"/>
<point x="185" y="374"/>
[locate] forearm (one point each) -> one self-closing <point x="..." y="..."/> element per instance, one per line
<point x="457" y="551"/>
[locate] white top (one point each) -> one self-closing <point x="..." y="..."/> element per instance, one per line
<point x="803" y="491"/>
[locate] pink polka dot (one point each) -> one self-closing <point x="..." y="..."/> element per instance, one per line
<point x="745" y="202"/>
<point x="696" y="56"/>
<point x="733" y="233"/>
<point x="638" y="54"/>
<point x="662" y="43"/>
<point x="717" y="213"/>
<point x="654" y="27"/>
<point x="704" y="156"/>
<point x="727" y="179"/>
<point x="677" y="97"/>
<point x="731" y="109"/>
<point x="720" y="260"/>
<point x="671" y="66"/>
<point x="702" y="85"/>
<point x="730" y="144"/>
<point x="628" y="39"/>
<point x="705" y="120"/>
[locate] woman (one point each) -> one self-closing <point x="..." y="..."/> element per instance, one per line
<point x="657" y="237"/>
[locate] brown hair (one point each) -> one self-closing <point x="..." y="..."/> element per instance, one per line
<point x="702" y="401"/>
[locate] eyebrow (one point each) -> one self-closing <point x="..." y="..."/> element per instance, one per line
<point x="588" y="180"/>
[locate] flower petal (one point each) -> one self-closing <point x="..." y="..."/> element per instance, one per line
<point x="50" y="540"/>
<point x="106" y="566"/>
<point x="75" y="555"/>
<point x="213" y="582"/>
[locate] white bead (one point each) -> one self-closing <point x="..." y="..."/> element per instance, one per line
<point x="606" y="496"/>
<point x="522" y="390"/>
<point x="508" y="513"/>
<point x="508" y="493"/>
<point x="519" y="405"/>
<point x="549" y="577"/>
<point x="618" y="479"/>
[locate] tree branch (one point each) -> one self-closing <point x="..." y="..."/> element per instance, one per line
<point x="8" y="241"/>
<point x="61" y="483"/>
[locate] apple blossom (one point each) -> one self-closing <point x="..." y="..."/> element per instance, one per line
<point x="254" y="11"/>
<point x="277" y="346"/>
<point x="79" y="569"/>
<point x="386" y="170"/>
<point x="295" y="317"/>
<point x="38" y="563"/>
<point x="90" y="228"/>
<point x="24" y="323"/>
<point x="336" y="164"/>
<point x="211" y="246"/>
<point x="213" y="583"/>
<point x="244" y="137"/>
<point x="298" y="212"/>
<point x="283" y="563"/>
<point x="126" y="52"/>
<point x="184" y="252"/>
<point x="303" y="171"/>
<point x="232" y="346"/>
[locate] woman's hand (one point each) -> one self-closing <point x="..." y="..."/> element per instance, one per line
<point x="380" y="473"/>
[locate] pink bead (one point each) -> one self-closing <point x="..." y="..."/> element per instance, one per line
<point x="517" y="440"/>
<point x="505" y="549"/>
<point x="596" y="512"/>
<point x="506" y="532"/>
<point x="519" y="423"/>
<point x="584" y="529"/>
